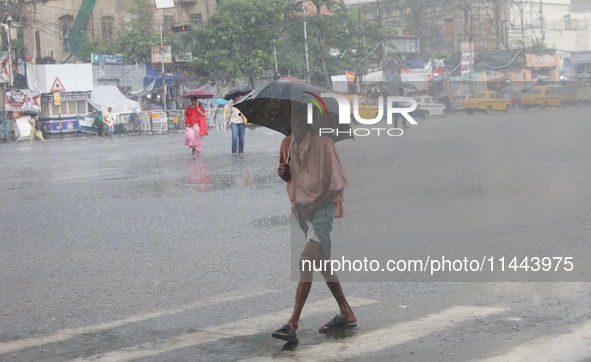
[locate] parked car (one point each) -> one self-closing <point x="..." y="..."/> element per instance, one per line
<point x="486" y="101"/>
<point x="457" y="104"/>
<point x="431" y="105"/>
<point x="542" y="97"/>
<point x="366" y="109"/>
<point x="575" y="93"/>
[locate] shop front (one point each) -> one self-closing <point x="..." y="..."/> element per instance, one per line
<point x="544" y="67"/>
<point x="62" y="117"/>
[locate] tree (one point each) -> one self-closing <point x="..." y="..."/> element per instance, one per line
<point x="333" y="26"/>
<point x="238" y="39"/>
<point x="135" y="43"/>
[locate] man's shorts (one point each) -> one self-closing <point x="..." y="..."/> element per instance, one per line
<point x="320" y="227"/>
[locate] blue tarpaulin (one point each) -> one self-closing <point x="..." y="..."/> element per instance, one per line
<point x="416" y="63"/>
<point x="171" y="78"/>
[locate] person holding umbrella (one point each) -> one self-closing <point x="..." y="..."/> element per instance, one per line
<point x="196" y="126"/>
<point x="235" y="120"/>
<point x="315" y="178"/>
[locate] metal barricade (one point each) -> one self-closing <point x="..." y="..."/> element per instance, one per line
<point x="158" y="121"/>
<point x="144" y="121"/>
<point x="176" y="120"/>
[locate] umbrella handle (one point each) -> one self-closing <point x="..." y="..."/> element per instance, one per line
<point x="289" y="152"/>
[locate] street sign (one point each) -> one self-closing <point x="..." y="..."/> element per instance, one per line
<point x="107" y="58"/>
<point x="57" y="100"/>
<point x="57" y="86"/>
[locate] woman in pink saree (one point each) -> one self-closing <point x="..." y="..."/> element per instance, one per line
<point x="196" y="126"/>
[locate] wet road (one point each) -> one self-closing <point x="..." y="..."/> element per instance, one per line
<point x="132" y="250"/>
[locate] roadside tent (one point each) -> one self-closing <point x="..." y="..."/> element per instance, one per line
<point x="104" y="96"/>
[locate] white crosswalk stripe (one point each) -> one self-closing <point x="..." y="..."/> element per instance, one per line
<point x="73" y="332"/>
<point x="233" y="329"/>
<point x="386" y="337"/>
<point x="569" y="347"/>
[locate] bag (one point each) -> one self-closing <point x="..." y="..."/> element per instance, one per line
<point x="37" y="125"/>
<point x="245" y="120"/>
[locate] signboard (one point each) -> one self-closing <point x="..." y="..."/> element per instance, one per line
<point x="57" y="86"/>
<point x="467" y="58"/>
<point x="57" y="99"/>
<point x="67" y="97"/>
<point x="159" y="53"/>
<point x="527" y="75"/>
<point x="22" y="100"/>
<point x="542" y="61"/>
<point x="164" y="4"/>
<point x="350" y="77"/>
<point x="107" y="58"/>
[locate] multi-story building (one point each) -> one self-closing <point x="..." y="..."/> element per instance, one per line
<point x="51" y="24"/>
<point x="563" y="25"/>
<point x="442" y="25"/>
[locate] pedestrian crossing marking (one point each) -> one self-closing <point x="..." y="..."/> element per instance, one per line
<point x="232" y="329"/>
<point x="73" y="332"/>
<point x="568" y="347"/>
<point x="383" y="338"/>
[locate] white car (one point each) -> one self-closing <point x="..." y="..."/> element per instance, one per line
<point x="431" y="105"/>
<point x="457" y="104"/>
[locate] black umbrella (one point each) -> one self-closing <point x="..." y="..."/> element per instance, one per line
<point x="270" y="106"/>
<point x="238" y="91"/>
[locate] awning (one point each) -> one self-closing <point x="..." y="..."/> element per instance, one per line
<point x="152" y="74"/>
<point x="416" y="63"/>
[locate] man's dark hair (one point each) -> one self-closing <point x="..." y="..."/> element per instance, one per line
<point x="401" y="89"/>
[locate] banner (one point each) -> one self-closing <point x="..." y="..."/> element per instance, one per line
<point x="350" y="77"/>
<point x="22" y="100"/>
<point x="542" y="61"/>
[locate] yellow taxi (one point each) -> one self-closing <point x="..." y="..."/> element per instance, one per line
<point x="367" y="110"/>
<point x="542" y="97"/>
<point x="486" y="101"/>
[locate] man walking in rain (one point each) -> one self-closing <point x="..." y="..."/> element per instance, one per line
<point x="399" y="115"/>
<point x="315" y="182"/>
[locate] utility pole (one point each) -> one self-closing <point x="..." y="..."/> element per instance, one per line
<point x="162" y="63"/>
<point x="306" y="44"/>
<point x="275" y="54"/>
<point x="542" y="35"/>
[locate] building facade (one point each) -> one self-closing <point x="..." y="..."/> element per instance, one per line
<point x="442" y="25"/>
<point x="563" y="25"/>
<point x="50" y="24"/>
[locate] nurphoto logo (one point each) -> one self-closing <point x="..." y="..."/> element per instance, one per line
<point x="394" y="105"/>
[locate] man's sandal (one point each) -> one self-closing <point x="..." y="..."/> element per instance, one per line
<point x="336" y="324"/>
<point x="285" y="333"/>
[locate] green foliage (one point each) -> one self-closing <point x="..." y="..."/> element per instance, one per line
<point x="538" y="47"/>
<point x="344" y="30"/>
<point x="238" y="40"/>
<point x="135" y="43"/>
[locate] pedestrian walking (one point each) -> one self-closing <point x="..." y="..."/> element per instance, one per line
<point x="99" y="124"/>
<point x="35" y="129"/>
<point x="110" y="121"/>
<point x="236" y="121"/>
<point x="399" y="115"/>
<point x="196" y="126"/>
<point x="315" y="178"/>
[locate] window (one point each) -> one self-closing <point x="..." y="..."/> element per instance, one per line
<point x="477" y="95"/>
<point x="107" y="28"/>
<point x="195" y="19"/>
<point x="45" y="108"/>
<point x="428" y="100"/>
<point x="167" y="22"/>
<point x="449" y="31"/>
<point x="127" y="19"/>
<point x="65" y="22"/>
<point x="81" y="107"/>
<point x="537" y="91"/>
<point x="363" y="102"/>
<point x="492" y="96"/>
<point x="54" y="109"/>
